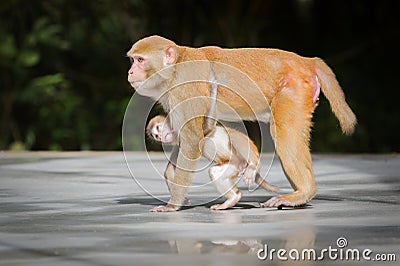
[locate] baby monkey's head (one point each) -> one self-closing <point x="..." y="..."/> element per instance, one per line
<point x="160" y="130"/>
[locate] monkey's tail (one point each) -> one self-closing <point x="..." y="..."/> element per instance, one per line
<point x="265" y="185"/>
<point x="332" y="91"/>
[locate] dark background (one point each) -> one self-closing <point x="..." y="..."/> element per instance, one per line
<point x="63" y="66"/>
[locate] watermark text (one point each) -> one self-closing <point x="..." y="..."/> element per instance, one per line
<point x="339" y="252"/>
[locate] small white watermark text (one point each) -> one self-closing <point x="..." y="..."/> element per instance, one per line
<point x="339" y="252"/>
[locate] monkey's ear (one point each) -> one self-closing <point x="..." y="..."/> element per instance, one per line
<point x="170" y="55"/>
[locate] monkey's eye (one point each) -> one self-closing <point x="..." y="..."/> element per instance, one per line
<point x="140" y="59"/>
<point x="132" y="60"/>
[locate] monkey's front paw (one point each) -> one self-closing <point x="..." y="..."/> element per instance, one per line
<point x="248" y="180"/>
<point x="164" y="208"/>
<point x="249" y="174"/>
<point x="276" y="201"/>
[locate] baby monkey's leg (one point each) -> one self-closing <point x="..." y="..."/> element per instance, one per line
<point x="223" y="177"/>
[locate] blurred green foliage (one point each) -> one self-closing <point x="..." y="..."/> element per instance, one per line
<point x="63" y="70"/>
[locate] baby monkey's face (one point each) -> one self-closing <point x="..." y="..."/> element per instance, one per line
<point x="162" y="132"/>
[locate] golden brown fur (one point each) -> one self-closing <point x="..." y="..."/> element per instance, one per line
<point x="288" y="82"/>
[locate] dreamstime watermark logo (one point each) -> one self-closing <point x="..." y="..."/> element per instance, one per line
<point x="338" y="253"/>
<point x="183" y="76"/>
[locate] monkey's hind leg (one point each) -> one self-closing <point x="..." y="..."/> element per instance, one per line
<point x="292" y="121"/>
<point x="223" y="177"/>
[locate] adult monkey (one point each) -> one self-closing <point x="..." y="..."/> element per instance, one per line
<point x="290" y="84"/>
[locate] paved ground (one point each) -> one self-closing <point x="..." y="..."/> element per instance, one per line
<point x="86" y="209"/>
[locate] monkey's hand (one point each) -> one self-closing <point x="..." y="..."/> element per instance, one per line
<point x="165" y="208"/>
<point x="249" y="174"/>
<point x="248" y="180"/>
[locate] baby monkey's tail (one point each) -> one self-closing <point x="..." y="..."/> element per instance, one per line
<point x="265" y="185"/>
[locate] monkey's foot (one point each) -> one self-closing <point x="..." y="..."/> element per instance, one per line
<point x="229" y="203"/>
<point x="222" y="206"/>
<point x="164" y="208"/>
<point x="294" y="199"/>
<point x="277" y="201"/>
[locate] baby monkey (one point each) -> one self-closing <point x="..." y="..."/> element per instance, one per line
<point x="232" y="151"/>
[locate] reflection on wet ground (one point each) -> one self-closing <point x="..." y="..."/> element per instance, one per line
<point x="84" y="209"/>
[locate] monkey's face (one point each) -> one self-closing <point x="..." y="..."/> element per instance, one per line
<point x="148" y="56"/>
<point x="137" y="73"/>
<point x="161" y="132"/>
